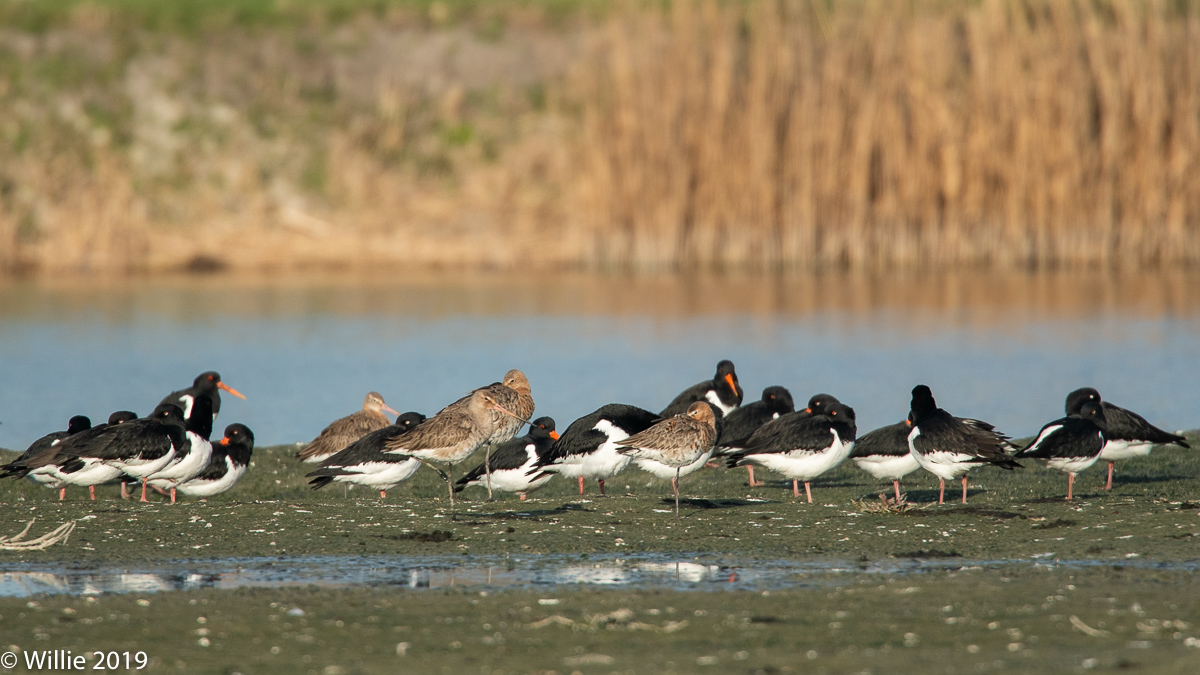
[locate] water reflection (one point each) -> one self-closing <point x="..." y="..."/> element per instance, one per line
<point x="1002" y="347"/>
<point x="548" y="572"/>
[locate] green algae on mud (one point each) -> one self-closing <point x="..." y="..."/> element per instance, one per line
<point x="1152" y="513"/>
<point x="1015" y="618"/>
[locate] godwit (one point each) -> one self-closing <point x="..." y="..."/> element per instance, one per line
<point x="676" y="442"/>
<point x="344" y="431"/>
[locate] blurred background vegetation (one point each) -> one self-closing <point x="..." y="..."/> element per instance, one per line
<point x="139" y="135"/>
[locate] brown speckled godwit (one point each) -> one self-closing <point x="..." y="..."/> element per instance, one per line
<point x="342" y="432"/>
<point x="514" y="394"/>
<point x="451" y="436"/>
<point x="675" y="442"/>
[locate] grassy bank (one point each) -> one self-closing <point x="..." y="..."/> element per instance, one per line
<point x="142" y="136"/>
<point x="1151" y="515"/>
<point x="1008" y="621"/>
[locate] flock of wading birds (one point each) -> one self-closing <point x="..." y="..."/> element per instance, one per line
<point x="171" y="450"/>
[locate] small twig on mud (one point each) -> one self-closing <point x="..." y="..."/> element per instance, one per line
<point x="885" y="505"/>
<point x="17" y="543"/>
<point x="1088" y="630"/>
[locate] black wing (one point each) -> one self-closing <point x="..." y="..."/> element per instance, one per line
<point x="889" y="441"/>
<point x="581" y="437"/>
<point x="1065" y="438"/>
<point x="1126" y="425"/>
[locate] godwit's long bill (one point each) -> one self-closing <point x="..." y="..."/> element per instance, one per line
<point x="346" y="430"/>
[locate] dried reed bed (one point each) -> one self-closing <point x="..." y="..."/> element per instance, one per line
<point x="698" y="134"/>
<point x="883" y="134"/>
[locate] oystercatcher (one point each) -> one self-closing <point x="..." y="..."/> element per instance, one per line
<point x="138" y="448"/>
<point x="588" y="448"/>
<point x="1128" y="434"/>
<point x="745" y="420"/>
<point x="676" y="442"/>
<point x="512" y="462"/>
<point x="229" y="461"/>
<point x="723" y="391"/>
<point x="449" y="437"/>
<point x="364" y="462"/>
<point x="344" y="431"/>
<point x="884" y="453"/>
<point x="1070" y="444"/>
<point x="205" y="383"/>
<point x="193" y="457"/>
<point x="948" y="447"/>
<point x="46" y="475"/>
<point x="804" y="444"/>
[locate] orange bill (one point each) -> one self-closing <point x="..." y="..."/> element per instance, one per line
<point x="225" y="441"/>
<point x="235" y="392"/>
<point x="554" y="435"/>
<point x="732" y="385"/>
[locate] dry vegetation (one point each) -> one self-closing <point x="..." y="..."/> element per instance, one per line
<point x="756" y="134"/>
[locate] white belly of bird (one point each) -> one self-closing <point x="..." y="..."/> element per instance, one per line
<point x="1116" y="450"/>
<point x="94" y="472"/>
<point x="515" y="480"/>
<point x="805" y="464"/>
<point x="49" y="476"/>
<point x="380" y="475"/>
<point x="605" y="462"/>
<point x="1069" y="464"/>
<point x="667" y="472"/>
<point x="888" y="467"/>
<point x="188" y="466"/>
<point x="141" y="468"/>
<point x="207" y="488"/>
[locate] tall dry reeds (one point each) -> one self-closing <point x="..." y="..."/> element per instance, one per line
<point x="882" y="134"/>
<point x="762" y="134"/>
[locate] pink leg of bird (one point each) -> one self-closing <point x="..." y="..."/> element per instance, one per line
<point x="601" y="482"/>
<point x="1110" y="469"/>
<point x="896" y="484"/>
<point x="753" y="483"/>
<point x="383" y="494"/>
<point x="941" y="490"/>
<point x="795" y="489"/>
<point x="964" y="488"/>
<point x="808" y="491"/>
<point x="1070" y="484"/>
<point x="172" y="495"/>
<point x="144" y="491"/>
<point x="523" y="497"/>
<point x="124" y="490"/>
<point x="92" y="491"/>
<point x="62" y="493"/>
<point x="581" y="486"/>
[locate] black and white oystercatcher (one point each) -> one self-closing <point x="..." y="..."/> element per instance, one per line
<point x="723" y="391"/>
<point x="884" y="453"/>
<point x="205" y="383"/>
<point x="513" y="460"/>
<point x="46" y="475"/>
<point x="228" y="463"/>
<point x="745" y="420"/>
<point x="1070" y="444"/>
<point x="588" y="448"/>
<point x="1128" y="435"/>
<point x="191" y="459"/>
<point x="804" y="444"/>
<point x="364" y="462"/>
<point x="677" y="441"/>
<point x="344" y="431"/>
<point x="948" y="447"/>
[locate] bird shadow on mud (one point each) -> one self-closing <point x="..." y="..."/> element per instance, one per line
<point x="708" y="504"/>
<point x="531" y="514"/>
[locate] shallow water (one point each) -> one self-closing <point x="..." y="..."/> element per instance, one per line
<point x="548" y="572"/>
<point x="1003" y="348"/>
